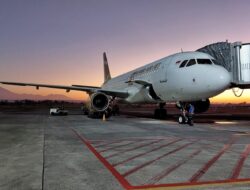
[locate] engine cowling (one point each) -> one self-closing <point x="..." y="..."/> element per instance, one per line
<point x="201" y="106"/>
<point x="99" y="102"/>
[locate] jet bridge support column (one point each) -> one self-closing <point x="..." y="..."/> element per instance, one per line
<point x="235" y="63"/>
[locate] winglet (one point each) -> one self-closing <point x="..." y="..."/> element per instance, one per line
<point x="107" y="75"/>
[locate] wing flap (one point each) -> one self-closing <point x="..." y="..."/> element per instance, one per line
<point x="84" y="86"/>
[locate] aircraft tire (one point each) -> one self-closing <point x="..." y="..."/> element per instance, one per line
<point x="181" y="119"/>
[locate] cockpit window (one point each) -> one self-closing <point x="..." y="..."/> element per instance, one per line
<point x="204" y="61"/>
<point x="183" y="63"/>
<point x="191" y="62"/>
<point x="215" y="62"/>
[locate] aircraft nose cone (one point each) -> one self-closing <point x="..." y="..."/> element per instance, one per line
<point x="222" y="78"/>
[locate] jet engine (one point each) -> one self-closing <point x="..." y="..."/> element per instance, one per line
<point x="99" y="102"/>
<point x="201" y="106"/>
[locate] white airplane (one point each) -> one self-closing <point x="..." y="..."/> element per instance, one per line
<point x="183" y="77"/>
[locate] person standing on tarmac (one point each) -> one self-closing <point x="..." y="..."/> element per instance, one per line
<point x="190" y="114"/>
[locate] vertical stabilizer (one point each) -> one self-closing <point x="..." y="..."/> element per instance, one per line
<point x="107" y="75"/>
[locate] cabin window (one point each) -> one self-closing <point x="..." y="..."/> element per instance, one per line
<point x="183" y="63"/>
<point x="191" y="62"/>
<point x="204" y="61"/>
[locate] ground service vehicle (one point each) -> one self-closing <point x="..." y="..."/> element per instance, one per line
<point x="58" y="111"/>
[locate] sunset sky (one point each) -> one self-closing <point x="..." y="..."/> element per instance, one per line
<point x="62" y="41"/>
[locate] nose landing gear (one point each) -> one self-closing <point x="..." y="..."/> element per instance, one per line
<point x="185" y="120"/>
<point x="187" y="112"/>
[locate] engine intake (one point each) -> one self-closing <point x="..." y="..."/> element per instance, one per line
<point x="99" y="102"/>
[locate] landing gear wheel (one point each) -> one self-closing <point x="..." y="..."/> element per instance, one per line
<point x="181" y="119"/>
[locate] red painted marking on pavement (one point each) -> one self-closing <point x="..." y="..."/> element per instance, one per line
<point x="118" y="146"/>
<point x="240" y="163"/>
<point x="128" y="186"/>
<point x="191" y="184"/>
<point x="166" y="172"/>
<point x="133" y="170"/>
<point x="205" y="168"/>
<point x="116" y="174"/>
<point x="97" y="141"/>
<point x="147" y="152"/>
<point x="120" y="140"/>
<point x="109" y="143"/>
<point x="130" y="149"/>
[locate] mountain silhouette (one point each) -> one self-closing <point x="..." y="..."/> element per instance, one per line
<point x="8" y="95"/>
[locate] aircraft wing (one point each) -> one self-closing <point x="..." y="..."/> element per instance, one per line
<point x="67" y="88"/>
<point x="115" y="93"/>
<point x="89" y="89"/>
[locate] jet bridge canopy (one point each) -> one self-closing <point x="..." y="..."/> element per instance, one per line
<point x="235" y="57"/>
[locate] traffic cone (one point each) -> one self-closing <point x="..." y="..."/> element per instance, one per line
<point x="104" y="117"/>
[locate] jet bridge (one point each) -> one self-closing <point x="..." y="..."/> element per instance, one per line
<point x="235" y="57"/>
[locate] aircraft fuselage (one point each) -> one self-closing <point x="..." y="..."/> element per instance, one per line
<point x="165" y="80"/>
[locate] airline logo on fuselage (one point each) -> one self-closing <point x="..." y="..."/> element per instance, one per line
<point x="144" y="71"/>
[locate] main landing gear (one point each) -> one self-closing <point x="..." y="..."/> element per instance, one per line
<point x="161" y="112"/>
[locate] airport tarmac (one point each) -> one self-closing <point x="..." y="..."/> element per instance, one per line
<point x="73" y="152"/>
